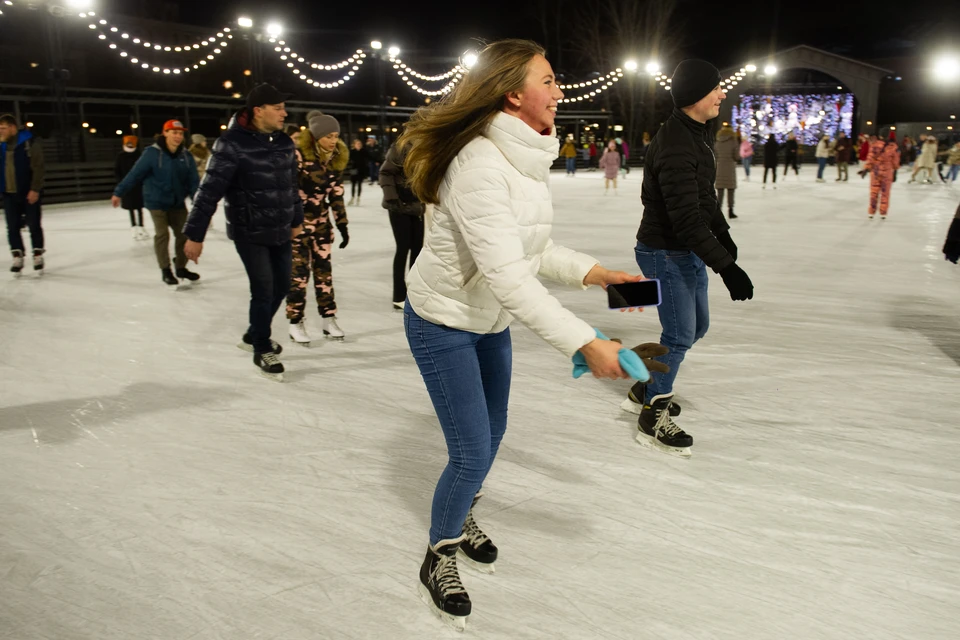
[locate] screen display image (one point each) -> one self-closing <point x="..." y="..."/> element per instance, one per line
<point x="808" y="116"/>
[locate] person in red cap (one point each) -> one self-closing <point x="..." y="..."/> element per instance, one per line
<point x="882" y="164"/>
<point x="168" y="174"/>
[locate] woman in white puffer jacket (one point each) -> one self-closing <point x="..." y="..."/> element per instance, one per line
<point x="482" y="156"/>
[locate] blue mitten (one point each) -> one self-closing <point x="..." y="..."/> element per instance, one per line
<point x="629" y="361"/>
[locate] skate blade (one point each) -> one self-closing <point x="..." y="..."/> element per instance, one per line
<point x="184" y="286"/>
<point x="457" y="623"/>
<point x="334" y="338"/>
<point x="630" y="406"/>
<point x="245" y="347"/>
<point x="480" y="567"/>
<point x="275" y="377"/>
<point x="653" y="443"/>
<point x="302" y="344"/>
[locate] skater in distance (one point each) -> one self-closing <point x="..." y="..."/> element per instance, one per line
<point x="168" y="174"/>
<point x="682" y="232"/>
<point x="482" y="156"/>
<point x="253" y="168"/>
<point x="22" y="172"/>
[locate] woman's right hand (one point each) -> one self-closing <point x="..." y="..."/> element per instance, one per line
<point x="603" y="358"/>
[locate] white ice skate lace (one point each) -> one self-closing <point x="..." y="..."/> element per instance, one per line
<point x="446" y="576"/>
<point x="270" y="358"/>
<point x="665" y="423"/>
<point x="472" y="532"/>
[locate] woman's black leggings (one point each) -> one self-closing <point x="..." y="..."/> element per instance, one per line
<point x="356" y="186"/>
<point x="408" y="233"/>
<point x="136" y="219"/>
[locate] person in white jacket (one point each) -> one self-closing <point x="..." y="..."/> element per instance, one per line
<point x="482" y="156"/>
<point x="822" y="155"/>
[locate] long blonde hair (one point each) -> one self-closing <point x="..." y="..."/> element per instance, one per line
<point x="438" y="132"/>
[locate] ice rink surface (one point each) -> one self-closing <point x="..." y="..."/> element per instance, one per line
<point x="154" y="486"/>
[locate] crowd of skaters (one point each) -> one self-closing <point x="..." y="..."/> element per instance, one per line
<point x="283" y="193"/>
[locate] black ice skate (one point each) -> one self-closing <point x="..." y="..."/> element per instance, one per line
<point x="477" y="550"/>
<point x="246" y="343"/>
<point x="270" y="366"/>
<point x="38" y="260"/>
<point x="635" y="399"/>
<point x="167" y="276"/>
<point x="658" y="430"/>
<point x="17" y="265"/>
<point x="186" y="274"/>
<point x="440" y="586"/>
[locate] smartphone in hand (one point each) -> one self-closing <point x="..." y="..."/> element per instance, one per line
<point x="645" y="293"/>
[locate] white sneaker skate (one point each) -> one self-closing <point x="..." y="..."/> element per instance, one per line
<point x="143" y="234"/>
<point x="298" y="333"/>
<point x="17" y="267"/>
<point x="135" y="233"/>
<point x="331" y="330"/>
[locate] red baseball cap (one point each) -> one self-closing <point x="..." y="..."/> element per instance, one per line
<point x="173" y="125"/>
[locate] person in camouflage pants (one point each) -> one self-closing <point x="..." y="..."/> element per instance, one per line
<point x="321" y="160"/>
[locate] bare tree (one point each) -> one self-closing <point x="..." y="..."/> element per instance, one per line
<point x="610" y="31"/>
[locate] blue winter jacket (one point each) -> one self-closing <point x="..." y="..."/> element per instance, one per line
<point x="167" y="179"/>
<point x="256" y="175"/>
<point x="22" y="162"/>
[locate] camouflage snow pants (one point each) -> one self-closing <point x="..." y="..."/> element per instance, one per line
<point x="311" y="254"/>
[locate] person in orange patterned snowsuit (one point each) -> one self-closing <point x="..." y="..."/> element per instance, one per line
<point x="321" y="158"/>
<point x="882" y="164"/>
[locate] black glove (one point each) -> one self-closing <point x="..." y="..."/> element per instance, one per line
<point x="342" y="228"/>
<point x="392" y="204"/>
<point x="951" y="248"/>
<point x="737" y="282"/>
<point x="724" y="238"/>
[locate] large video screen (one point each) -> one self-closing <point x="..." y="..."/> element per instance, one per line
<point x="809" y="116"/>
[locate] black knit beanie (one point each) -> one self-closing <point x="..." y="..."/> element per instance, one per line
<point x="692" y="81"/>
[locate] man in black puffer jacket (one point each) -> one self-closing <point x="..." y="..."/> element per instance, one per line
<point x="682" y="232"/>
<point x="254" y="167"/>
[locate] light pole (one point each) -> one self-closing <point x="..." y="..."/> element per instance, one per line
<point x="377" y="48"/>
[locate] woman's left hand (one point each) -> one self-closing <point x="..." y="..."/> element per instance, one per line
<point x="603" y="277"/>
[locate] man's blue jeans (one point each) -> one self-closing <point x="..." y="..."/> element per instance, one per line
<point x="468" y="378"/>
<point x="268" y="269"/>
<point x="571" y="165"/>
<point x="684" y="311"/>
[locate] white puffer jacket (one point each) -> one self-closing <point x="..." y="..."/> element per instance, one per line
<point x="490" y="239"/>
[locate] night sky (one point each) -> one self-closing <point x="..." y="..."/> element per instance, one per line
<point x="723" y="32"/>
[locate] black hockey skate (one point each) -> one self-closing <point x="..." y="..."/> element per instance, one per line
<point x="658" y="430"/>
<point x="167" y="276"/>
<point x="186" y="274"/>
<point x="246" y="343"/>
<point x="440" y="586"/>
<point x="270" y="366"/>
<point x="38" y="260"/>
<point x="17" y="265"/>
<point x="636" y="397"/>
<point x="477" y="550"/>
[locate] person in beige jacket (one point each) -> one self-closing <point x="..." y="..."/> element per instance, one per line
<point x="200" y="153"/>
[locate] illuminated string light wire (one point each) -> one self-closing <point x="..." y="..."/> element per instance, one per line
<point x="595" y="86"/>
<point x="218" y="40"/>
<point x="456" y="74"/>
<point x="299" y="66"/>
<point x="286" y="54"/>
<point x="133" y="58"/>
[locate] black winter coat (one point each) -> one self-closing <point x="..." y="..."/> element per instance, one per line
<point x="132" y="199"/>
<point x="359" y="167"/>
<point x="397" y="195"/>
<point x="256" y="174"/>
<point x="791" y="149"/>
<point x="680" y="209"/>
<point x="770" y="150"/>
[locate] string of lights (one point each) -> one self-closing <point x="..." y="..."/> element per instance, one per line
<point x="292" y="59"/>
<point x="222" y="35"/>
<point x="133" y="58"/>
<point x="403" y="70"/>
<point x="286" y="53"/>
<point x="597" y="86"/>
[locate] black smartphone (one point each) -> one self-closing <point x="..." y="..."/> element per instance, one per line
<point x="645" y="293"/>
